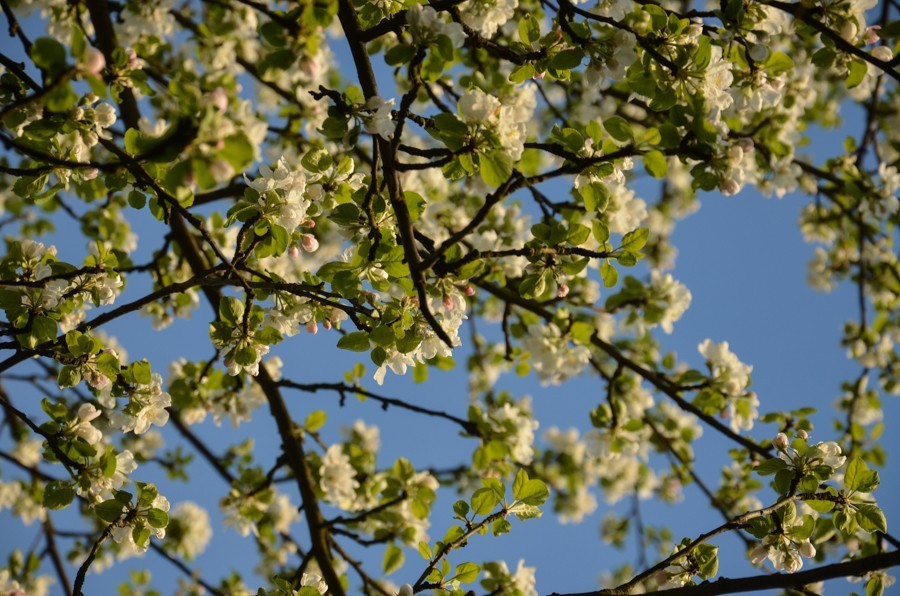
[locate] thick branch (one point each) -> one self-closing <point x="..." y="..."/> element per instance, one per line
<point x="852" y="568"/>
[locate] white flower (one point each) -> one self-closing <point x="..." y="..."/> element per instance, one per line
<point x="83" y="428"/>
<point x="426" y="26"/>
<point x="829" y="454"/>
<point x="152" y="401"/>
<point x="486" y="16"/>
<point x="729" y="375"/>
<point x="189" y="530"/>
<point x="553" y="357"/>
<point x="379" y="121"/>
<point x="315" y="581"/>
<point x="476" y="106"/>
<point x="338" y="478"/>
<point x="674" y="298"/>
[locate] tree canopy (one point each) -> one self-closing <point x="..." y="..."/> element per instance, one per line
<point x="485" y="188"/>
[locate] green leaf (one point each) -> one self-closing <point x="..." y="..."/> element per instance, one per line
<point x="109" y="510"/>
<point x="856" y="74"/>
<point x="533" y="492"/>
<point x="461" y="508"/>
<point x="68" y="376"/>
<point x="49" y="55"/>
<point x="600" y="231"/>
<point x="609" y="274"/>
<point x="237" y="151"/>
<point x="655" y="164"/>
<point x="870" y="517"/>
<point x="779" y="63"/>
<point x="875" y="586"/>
<point x="635" y="240"/>
<point x="567" y="59"/>
<point x="393" y="559"/>
<point x="500" y="526"/>
<point x="820" y="506"/>
<point x="141" y="372"/>
<point x="415" y="203"/>
<point x="43" y="329"/>
<point x="466" y="572"/>
<point x="317" y="160"/>
<point x="315" y="420"/>
<point x="58" y="494"/>
<point x="496" y="167"/>
<point x="618" y="129"/>
<point x="522" y="73"/>
<point x="231" y="310"/>
<point x="424" y="550"/>
<point x="855" y="468"/>
<point x="484" y="500"/>
<point x="157" y="518"/>
<point x="770" y="466"/>
<point x="358" y="341"/>
<point x="529" y="29"/>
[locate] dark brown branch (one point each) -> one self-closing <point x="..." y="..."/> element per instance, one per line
<point x="386" y="402"/>
<point x="852" y="568"/>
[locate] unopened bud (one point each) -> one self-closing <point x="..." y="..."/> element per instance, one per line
<point x="563" y="290"/>
<point x="309" y="242"/>
<point x="294" y="251"/>
<point x="807" y="549"/>
<point x="133" y="60"/>
<point x="883" y="53"/>
<point x="312" y="327"/>
<point x="405" y="590"/>
<point x="90" y="174"/>
<point x="326" y="324"/>
<point x="802" y="434"/>
<point x="871" y="34"/>
<point x="448" y="303"/>
<point x="781" y="441"/>
<point x="94" y="62"/>
<point x="219" y="99"/>
<point x="470" y="291"/>
<point x="848" y="30"/>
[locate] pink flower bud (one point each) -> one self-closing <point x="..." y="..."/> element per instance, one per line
<point x="312" y="327"/>
<point x="133" y="60"/>
<point x="218" y="99"/>
<point x="563" y="290"/>
<point x="309" y="242"/>
<point x="98" y="381"/>
<point x="470" y="291"/>
<point x="448" y="303"/>
<point x="294" y="251"/>
<point x="781" y="441"/>
<point x="90" y="174"/>
<point x="802" y="434"/>
<point x="326" y="324"/>
<point x="94" y="62"/>
<point x="871" y="34"/>
<point x="309" y="223"/>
